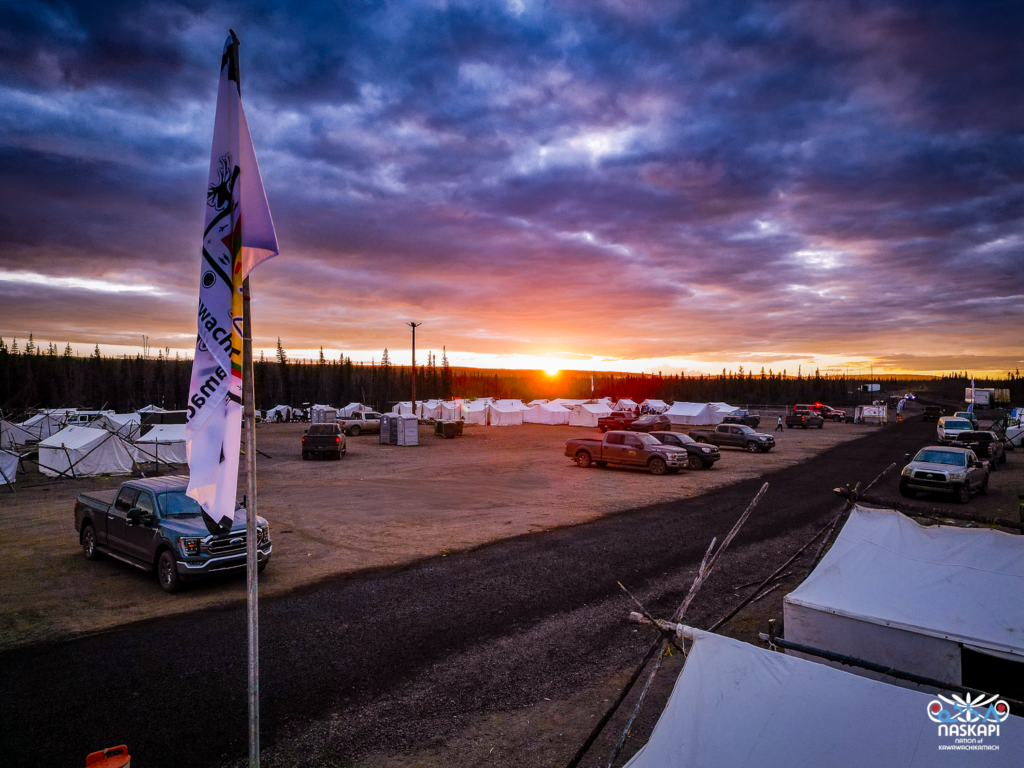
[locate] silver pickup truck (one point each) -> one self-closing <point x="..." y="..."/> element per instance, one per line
<point x="360" y="422"/>
<point x="945" y="469"/>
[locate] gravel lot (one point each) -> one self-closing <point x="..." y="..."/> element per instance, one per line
<point x="381" y="506"/>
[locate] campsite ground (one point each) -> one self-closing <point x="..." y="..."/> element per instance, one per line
<point x="501" y="655"/>
<point x="381" y="506"/>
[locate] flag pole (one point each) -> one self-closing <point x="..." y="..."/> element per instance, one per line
<point x="251" y="510"/>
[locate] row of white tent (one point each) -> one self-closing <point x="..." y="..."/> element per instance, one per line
<point x="107" y="446"/>
<point x="17" y="435"/>
<point x="578" y="413"/>
<point x="905" y="596"/>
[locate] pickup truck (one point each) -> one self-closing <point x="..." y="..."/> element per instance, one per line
<point x="620" y="420"/>
<point x="743" y="417"/>
<point x="699" y="456"/>
<point x="152" y="525"/>
<point x="986" y="445"/>
<point x="358" y="423"/>
<point x="805" y="419"/>
<point x="945" y="470"/>
<point x="627" y="448"/>
<point x="325" y="439"/>
<point x="735" y="436"/>
<point x="932" y="413"/>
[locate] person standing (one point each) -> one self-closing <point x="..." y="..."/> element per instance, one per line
<point x="778" y="427"/>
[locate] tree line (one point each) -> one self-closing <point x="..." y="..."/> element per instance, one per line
<point x="37" y="377"/>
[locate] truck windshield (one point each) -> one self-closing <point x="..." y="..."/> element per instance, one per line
<point x="647" y="439"/>
<point x="951" y="458"/>
<point x="956" y="424"/>
<point x="177" y="504"/>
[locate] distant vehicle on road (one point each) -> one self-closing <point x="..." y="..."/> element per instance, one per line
<point x="969" y="415"/>
<point x="804" y="419"/>
<point x="358" y="423"/>
<point x="735" y="436"/>
<point x="652" y="422"/>
<point x="151" y="524"/>
<point x="699" y="455"/>
<point x="986" y="445"/>
<point x="620" y="420"/>
<point x="743" y="417"/>
<point x="325" y="440"/>
<point x="932" y="413"/>
<point x="944" y="469"/>
<point x="827" y="412"/>
<point x="628" y="449"/>
<point x="950" y="426"/>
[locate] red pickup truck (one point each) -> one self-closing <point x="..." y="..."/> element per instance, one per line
<point x="616" y="421"/>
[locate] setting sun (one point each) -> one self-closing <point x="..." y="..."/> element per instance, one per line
<point x="551" y="371"/>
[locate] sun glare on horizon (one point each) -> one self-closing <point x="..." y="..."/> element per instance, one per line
<point x="551" y="371"/>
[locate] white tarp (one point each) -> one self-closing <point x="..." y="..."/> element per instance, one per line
<point x="452" y="410"/>
<point x="126" y="425"/>
<point x="163" y="443"/>
<point x="14" y="435"/>
<point x="84" y="452"/>
<point x="691" y="414"/>
<point x="538" y="401"/>
<point x="569" y="403"/>
<point x="475" y="412"/>
<point x="8" y="467"/>
<point x="152" y="409"/>
<point x="905" y="595"/>
<point x="546" y="413"/>
<point x="587" y="414"/>
<point x="654" y="406"/>
<point x="736" y="705"/>
<point x="504" y="414"/>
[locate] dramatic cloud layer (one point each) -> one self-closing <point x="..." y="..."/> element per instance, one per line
<point x="708" y="183"/>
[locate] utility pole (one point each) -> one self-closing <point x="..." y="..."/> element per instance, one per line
<point x="414" y="326"/>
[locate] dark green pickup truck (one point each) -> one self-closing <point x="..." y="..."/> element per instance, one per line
<point x="152" y="525"/>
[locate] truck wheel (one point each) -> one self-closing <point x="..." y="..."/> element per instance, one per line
<point x="305" y="455"/>
<point x="694" y="462"/>
<point x="984" y="486"/>
<point x="837" y="419"/>
<point x="822" y="425"/>
<point x="753" y="447"/>
<point x="992" y="466"/>
<point x="89" y="542"/>
<point x="261" y="565"/>
<point x="657" y="466"/>
<point x="604" y="429"/>
<point x="167" y="572"/>
<point x="354" y="430"/>
<point x="905" y="491"/>
<point x="963" y="493"/>
<point x="702" y="439"/>
<point x="789" y="426"/>
<point x="583" y="459"/>
<point x="1002" y="459"/>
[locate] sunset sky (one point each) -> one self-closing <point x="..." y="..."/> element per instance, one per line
<point x="601" y="184"/>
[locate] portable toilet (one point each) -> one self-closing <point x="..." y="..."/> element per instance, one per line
<point x="408" y="432"/>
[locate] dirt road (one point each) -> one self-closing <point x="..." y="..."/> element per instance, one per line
<point x="499" y="656"/>
<point x="380" y="506"/>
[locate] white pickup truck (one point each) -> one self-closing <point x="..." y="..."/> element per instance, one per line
<point x="367" y="421"/>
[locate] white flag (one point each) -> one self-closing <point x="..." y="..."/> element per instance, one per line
<point x="238" y="235"/>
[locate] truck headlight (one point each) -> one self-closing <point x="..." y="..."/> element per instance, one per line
<point x="189" y="545"/>
<point x="907" y="471"/>
<point x="705" y="449"/>
<point x="957" y="475"/>
<point x="263" y="534"/>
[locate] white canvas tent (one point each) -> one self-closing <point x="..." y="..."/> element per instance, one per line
<point x="569" y="403"/>
<point x="546" y="413"/>
<point x="503" y="414"/>
<point x="719" y="410"/>
<point x="430" y="409"/>
<point x="164" y="443"/>
<point x="126" y="425"/>
<point x="626" y="404"/>
<point x="42" y="425"/>
<point x="587" y="414"/>
<point x="654" y="406"/>
<point x="84" y="452"/>
<point x="404" y="409"/>
<point x="475" y="412"/>
<point x="909" y="596"/>
<point x="14" y="436"/>
<point x="538" y="401"/>
<point x="279" y="413"/>
<point x="152" y="409"/>
<point x="691" y="414"/>
<point x="8" y="467"/>
<point x="518" y="405"/>
<point x="736" y="705"/>
<point x="452" y="410"/>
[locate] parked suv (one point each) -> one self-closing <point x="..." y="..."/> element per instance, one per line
<point x="652" y="422"/>
<point x="805" y="419"/>
<point x="743" y="417"/>
<point x="945" y="469"/>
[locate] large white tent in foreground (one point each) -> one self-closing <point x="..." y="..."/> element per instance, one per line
<point x="916" y="598"/>
<point x="84" y="452"/>
<point x="739" y="705"/>
<point x="546" y="413"/>
<point x="691" y="414"/>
